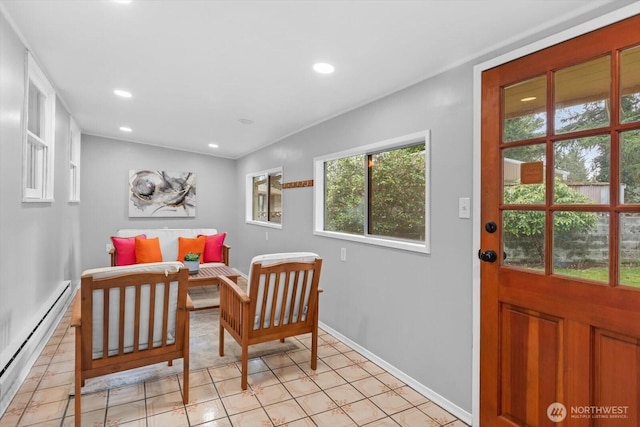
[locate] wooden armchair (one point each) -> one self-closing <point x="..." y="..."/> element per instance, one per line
<point x="281" y="301"/>
<point x="128" y="317"/>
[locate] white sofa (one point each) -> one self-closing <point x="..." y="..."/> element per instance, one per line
<point x="168" y="238"/>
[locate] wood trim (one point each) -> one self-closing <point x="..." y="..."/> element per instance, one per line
<point x="297" y="184"/>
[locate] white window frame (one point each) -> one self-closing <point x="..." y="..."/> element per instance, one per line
<point x="38" y="152"/>
<point x="74" y="160"/>
<point x="386" y="145"/>
<point x="249" y="199"/>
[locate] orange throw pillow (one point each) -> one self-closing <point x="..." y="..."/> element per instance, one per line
<point x="148" y="250"/>
<point x="195" y="245"/>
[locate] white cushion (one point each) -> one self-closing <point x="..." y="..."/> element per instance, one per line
<point x="168" y="237"/>
<point x="296" y="301"/>
<point x="114" y="308"/>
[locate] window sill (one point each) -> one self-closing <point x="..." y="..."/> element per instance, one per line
<point x="378" y="241"/>
<point x="264" y="224"/>
<point x="31" y="200"/>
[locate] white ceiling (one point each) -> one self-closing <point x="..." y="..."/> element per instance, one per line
<point x="196" y="67"/>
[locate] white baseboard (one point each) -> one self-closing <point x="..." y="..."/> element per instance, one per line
<point x="439" y="400"/>
<point x="17" y="358"/>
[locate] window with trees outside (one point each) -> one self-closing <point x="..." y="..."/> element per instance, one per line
<point x="264" y="201"/>
<point x="376" y="194"/>
<point x="39" y="131"/>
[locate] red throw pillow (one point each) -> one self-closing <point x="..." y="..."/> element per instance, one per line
<point x="148" y="250"/>
<point x="213" y="247"/>
<point x="194" y="245"/>
<point x="126" y="249"/>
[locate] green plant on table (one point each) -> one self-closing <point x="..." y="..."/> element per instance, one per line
<point x="192" y="256"/>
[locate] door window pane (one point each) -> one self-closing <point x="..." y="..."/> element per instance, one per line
<point x="524" y="110"/>
<point x="630" y="167"/>
<point x="581" y="245"/>
<point x="582" y="96"/>
<point x="630" y="85"/>
<point x="523" y="174"/>
<point x="523" y="239"/>
<point x="582" y="171"/>
<point x="630" y="249"/>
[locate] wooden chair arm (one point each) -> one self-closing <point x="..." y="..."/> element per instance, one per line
<point x="112" y="253"/>
<point x="235" y="291"/>
<point x="76" y="318"/>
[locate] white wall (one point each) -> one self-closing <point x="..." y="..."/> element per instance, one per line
<point x="105" y="190"/>
<point x="46" y="235"/>
<point x="412" y="310"/>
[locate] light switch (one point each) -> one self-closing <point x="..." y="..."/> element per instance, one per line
<point x="464" y="207"/>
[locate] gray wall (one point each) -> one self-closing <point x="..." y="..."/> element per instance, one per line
<point x="412" y="310"/>
<point x="104" y="193"/>
<point x="39" y="242"/>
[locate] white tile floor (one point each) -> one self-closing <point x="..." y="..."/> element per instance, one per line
<point x="345" y="390"/>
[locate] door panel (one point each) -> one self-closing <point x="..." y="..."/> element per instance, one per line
<point x="530" y="360"/>
<point x="617" y="376"/>
<point x="560" y="307"/>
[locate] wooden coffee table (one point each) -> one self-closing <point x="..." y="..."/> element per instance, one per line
<point x="210" y="276"/>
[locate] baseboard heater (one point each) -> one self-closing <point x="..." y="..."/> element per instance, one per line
<point x="33" y="331"/>
<point x="17" y="365"/>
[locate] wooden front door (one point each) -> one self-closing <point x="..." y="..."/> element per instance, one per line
<point x="560" y="212"/>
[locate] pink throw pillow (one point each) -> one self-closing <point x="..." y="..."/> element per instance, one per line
<point x="126" y="249"/>
<point x="213" y="247"/>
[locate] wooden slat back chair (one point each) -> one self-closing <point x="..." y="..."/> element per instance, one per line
<point x="281" y="301"/>
<point x="128" y="317"/>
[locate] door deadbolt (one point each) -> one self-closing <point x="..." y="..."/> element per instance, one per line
<point x="491" y="227"/>
<point x="487" y="256"/>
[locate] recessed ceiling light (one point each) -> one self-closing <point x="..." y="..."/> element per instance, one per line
<point x="125" y="129"/>
<point x="122" y="93"/>
<point x="246" y="121"/>
<point x="122" y="1"/>
<point x="323" y="68"/>
<point x="212" y="145"/>
<point x="529" y="98"/>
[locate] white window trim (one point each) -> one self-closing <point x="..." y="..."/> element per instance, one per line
<point x="249" y="199"/>
<point x="74" y="160"/>
<point x="45" y="171"/>
<point x="318" y="189"/>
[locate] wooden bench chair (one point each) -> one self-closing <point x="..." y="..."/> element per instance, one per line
<point x="128" y="317"/>
<point x="281" y="301"/>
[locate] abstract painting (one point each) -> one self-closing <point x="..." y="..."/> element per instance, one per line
<point x="162" y="194"/>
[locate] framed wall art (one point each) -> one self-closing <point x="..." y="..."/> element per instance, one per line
<point x="162" y="194"/>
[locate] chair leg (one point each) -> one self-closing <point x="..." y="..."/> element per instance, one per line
<point x="185" y="362"/>
<point x="314" y="349"/>
<point x="79" y="382"/>
<point x="245" y="366"/>
<point x="221" y="340"/>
